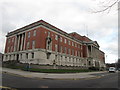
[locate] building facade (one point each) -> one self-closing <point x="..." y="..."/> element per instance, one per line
<point x="44" y="44"/>
<point x="1" y="59"/>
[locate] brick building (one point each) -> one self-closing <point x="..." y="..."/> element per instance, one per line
<point x="45" y="44"/>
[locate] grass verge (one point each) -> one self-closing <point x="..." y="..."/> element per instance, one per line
<point x="58" y="70"/>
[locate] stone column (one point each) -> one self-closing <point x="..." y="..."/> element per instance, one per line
<point x="21" y="43"/>
<point x="87" y="51"/>
<point x="15" y="44"/>
<point x="18" y="42"/>
<point x="91" y="51"/>
<point x="24" y="41"/>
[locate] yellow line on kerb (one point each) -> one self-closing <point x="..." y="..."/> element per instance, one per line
<point x="7" y="88"/>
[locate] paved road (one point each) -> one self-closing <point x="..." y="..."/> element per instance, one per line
<point x="54" y="75"/>
<point x="16" y="81"/>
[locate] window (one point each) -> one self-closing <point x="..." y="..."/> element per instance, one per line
<point x="8" y="49"/>
<point x="72" y="44"/>
<point x="69" y="51"/>
<point x="6" y="57"/>
<point x="8" y="40"/>
<point x="65" y="50"/>
<point x="52" y="35"/>
<point x="34" y="33"/>
<point x="81" y="54"/>
<point x="61" y="58"/>
<point x="33" y="44"/>
<point x="48" y="33"/>
<point x="80" y="47"/>
<point x="55" y="57"/>
<point x="76" y="53"/>
<point x="28" y="34"/>
<point x="10" y="57"/>
<point x="60" y="39"/>
<point x="65" y="41"/>
<point x="69" y="59"/>
<point x="68" y="42"/>
<point x="65" y="58"/>
<point x="89" y="63"/>
<point x="21" y="56"/>
<point x="28" y="45"/>
<point x="26" y="55"/>
<point x="48" y="55"/>
<point x="56" y="47"/>
<point x="14" y="57"/>
<point x="12" y="39"/>
<point x="32" y="55"/>
<point x="73" y="52"/>
<point x="61" y="49"/>
<point x="11" y="48"/>
<point x="56" y="37"/>
<point x="77" y="60"/>
<point x="74" y="60"/>
<point x="75" y="45"/>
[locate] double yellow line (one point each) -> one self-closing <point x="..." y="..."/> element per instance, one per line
<point x="8" y="88"/>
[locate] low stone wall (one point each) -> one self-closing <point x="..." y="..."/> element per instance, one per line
<point x="41" y="66"/>
<point x="50" y="66"/>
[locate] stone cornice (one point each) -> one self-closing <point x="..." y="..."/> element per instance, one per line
<point x="38" y="23"/>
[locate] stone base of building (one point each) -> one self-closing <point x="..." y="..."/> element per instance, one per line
<point x="49" y="59"/>
<point x="44" y="57"/>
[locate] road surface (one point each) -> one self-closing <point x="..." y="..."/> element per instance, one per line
<point x="109" y="80"/>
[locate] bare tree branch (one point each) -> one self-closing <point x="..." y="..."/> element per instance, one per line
<point x="108" y="7"/>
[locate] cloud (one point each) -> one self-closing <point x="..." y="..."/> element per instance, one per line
<point x="68" y="15"/>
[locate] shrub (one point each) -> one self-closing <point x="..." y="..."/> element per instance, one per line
<point x="94" y="68"/>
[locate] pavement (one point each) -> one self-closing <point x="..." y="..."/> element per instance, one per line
<point x="73" y="76"/>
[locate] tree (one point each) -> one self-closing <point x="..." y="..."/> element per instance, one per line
<point x="107" y="5"/>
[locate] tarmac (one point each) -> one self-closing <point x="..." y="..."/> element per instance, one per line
<point x="73" y="76"/>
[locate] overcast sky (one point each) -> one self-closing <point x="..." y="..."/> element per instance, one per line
<point x="68" y="15"/>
